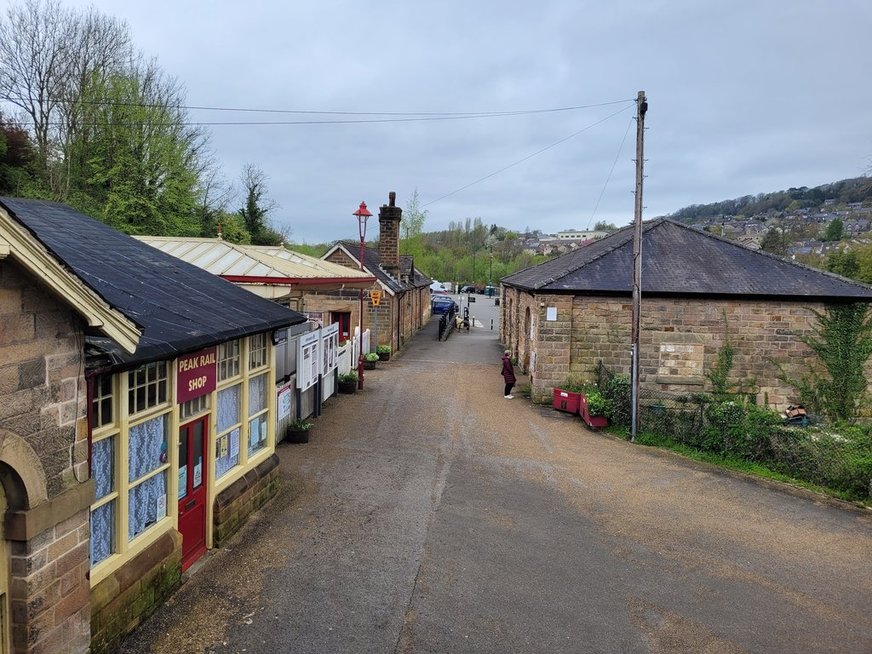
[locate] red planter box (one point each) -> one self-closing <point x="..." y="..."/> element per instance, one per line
<point x="566" y="401"/>
<point x="594" y="422"/>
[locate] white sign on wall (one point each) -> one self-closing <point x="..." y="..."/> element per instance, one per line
<point x="329" y="348"/>
<point x="284" y="402"/>
<point x="551" y="313"/>
<point x="308" y="363"/>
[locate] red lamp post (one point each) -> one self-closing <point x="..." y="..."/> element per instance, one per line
<point x="362" y="214"/>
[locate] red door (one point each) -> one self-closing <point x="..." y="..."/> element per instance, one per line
<point x="344" y="320"/>
<point x="192" y="490"/>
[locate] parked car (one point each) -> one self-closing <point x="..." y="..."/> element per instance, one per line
<point x="442" y="304"/>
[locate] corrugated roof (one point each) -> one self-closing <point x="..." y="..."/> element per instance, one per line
<point x="234" y="260"/>
<point x="180" y="307"/>
<point x="679" y="260"/>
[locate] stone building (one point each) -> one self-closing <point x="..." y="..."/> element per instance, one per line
<point x="698" y="292"/>
<point x="137" y="424"/>
<point x="405" y="291"/>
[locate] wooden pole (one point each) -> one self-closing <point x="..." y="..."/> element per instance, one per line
<point x="641" y="109"/>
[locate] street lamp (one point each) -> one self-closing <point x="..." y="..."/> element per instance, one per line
<point x="362" y="214"/>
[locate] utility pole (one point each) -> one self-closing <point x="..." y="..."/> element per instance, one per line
<point x="641" y="109"/>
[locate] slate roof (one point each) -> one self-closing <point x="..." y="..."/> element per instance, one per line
<point x="679" y="260"/>
<point x="372" y="263"/>
<point x="179" y="307"/>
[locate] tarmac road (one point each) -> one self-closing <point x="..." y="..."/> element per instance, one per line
<point x="430" y="514"/>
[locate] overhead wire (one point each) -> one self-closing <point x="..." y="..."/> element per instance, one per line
<point x="529" y="156"/>
<point x="388" y="116"/>
<point x="611" y="170"/>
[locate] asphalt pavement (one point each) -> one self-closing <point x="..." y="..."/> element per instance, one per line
<point x="430" y="514"/>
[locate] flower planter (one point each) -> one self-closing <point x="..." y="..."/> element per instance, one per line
<point x="594" y="422"/>
<point x="297" y="435"/>
<point x="566" y="401"/>
<point x="347" y="387"/>
<point x="384" y="356"/>
<point x="369" y="365"/>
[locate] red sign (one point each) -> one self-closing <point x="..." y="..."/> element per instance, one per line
<point x="197" y="374"/>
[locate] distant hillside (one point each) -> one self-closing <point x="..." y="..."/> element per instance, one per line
<point x="846" y="191"/>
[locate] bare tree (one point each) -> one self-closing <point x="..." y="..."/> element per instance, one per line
<point x="48" y="56"/>
<point x="34" y="38"/>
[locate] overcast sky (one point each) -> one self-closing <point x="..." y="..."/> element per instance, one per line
<point x="745" y="97"/>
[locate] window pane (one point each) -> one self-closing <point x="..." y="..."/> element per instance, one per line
<point x="106" y="412"/>
<point x="228" y="407"/>
<point x="148" y="504"/>
<point x="183" y="462"/>
<point x="102" y="532"/>
<point x="197" y="457"/>
<point x="257" y="434"/>
<point x="256" y="394"/>
<point x="103" y="466"/>
<point x="226" y="452"/>
<point x="148" y="446"/>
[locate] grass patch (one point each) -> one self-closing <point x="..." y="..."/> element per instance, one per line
<point x="738" y="464"/>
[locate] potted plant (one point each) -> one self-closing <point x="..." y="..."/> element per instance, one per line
<point x="369" y="361"/>
<point x="384" y="352"/>
<point x="298" y="431"/>
<point x="593" y="408"/>
<point x="348" y="382"/>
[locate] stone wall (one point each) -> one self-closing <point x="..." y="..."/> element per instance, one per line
<point x="49" y="566"/>
<point x="244" y="496"/>
<point x="42" y="385"/>
<point x="44" y="443"/>
<point x="680" y="340"/>
<point x="121" y="601"/>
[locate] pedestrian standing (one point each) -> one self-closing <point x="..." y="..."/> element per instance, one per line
<point x="508" y="374"/>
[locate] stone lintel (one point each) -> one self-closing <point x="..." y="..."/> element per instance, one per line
<point x="24" y="525"/>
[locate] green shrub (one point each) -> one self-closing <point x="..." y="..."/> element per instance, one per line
<point x="574" y="384"/>
<point x="347" y="377"/>
<point x="597" y="404"/>
<point x="616" y="390"/>
<point x="370" y="356"/>
<point x="383" y="349"/>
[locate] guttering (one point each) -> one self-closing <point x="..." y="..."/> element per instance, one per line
<point x="294" y="281"/>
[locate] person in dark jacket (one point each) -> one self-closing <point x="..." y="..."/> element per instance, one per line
<point x="508" y="374"/>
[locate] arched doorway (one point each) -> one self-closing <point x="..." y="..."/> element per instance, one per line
<point x="5" y="631"/>
<point x="528" y="320"/>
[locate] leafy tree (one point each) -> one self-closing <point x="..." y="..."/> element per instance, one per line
<point x="16" y="159"/>
<point x="774" y="241"/>
<point x="844" y="264"/>
<point x="413" y="218"/>
<point x="834" y="231"/>
<point x="135" y="162"/>
<point x="257" y="206"/>
<point x="603" y="226"/>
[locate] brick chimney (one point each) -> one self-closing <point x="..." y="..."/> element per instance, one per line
<point x="389" y="216"/>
